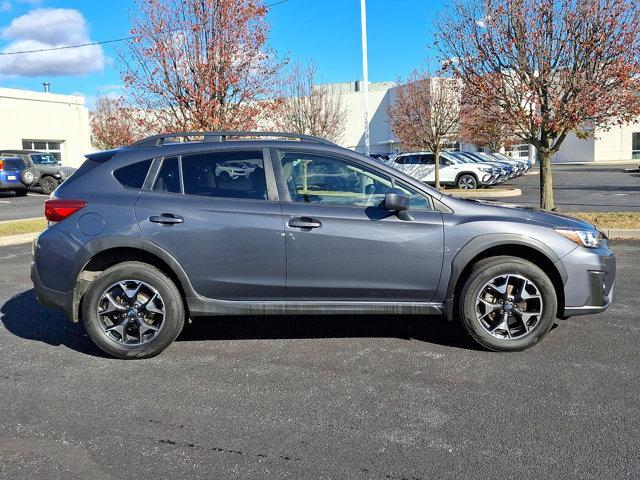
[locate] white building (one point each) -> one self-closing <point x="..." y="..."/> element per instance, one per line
<point x="620" y="143"/>
<point x="44" y="121"/>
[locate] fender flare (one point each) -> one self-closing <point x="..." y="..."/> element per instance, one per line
<point x="482" y="243"/>
<point x="98" y="245"/>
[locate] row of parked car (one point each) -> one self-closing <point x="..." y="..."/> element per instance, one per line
<point x="463" y="170"/>
<point x="21" y="170"/>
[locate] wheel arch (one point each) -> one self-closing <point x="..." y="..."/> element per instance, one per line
<point x="486" y="246"/>
<point x="108" y="255"/>
<point x="467" y="172"/>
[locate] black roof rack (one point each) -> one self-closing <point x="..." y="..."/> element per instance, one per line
<point x="158" y="140"/>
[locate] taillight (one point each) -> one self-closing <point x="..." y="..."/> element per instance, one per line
<point x="1" y="165"/>
<point x="57" y="210"/>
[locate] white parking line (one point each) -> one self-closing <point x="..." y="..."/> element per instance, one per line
<point x="5" y="201"/>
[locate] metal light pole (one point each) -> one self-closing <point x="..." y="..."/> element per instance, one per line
<point x="365" y="75"/>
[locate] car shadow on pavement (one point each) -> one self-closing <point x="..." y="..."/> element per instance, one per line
<point x="24" y="317"/>
<point x="430" y="329"/>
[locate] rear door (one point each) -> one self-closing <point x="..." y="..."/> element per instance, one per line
<point x="227" y="233"/>
<point x="341" y="245"/>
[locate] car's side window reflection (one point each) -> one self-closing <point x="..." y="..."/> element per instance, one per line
<point x="329" y="180"/>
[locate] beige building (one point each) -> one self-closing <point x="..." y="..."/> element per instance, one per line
<point x="43" y="121"/>
<point x="621" y="143"/>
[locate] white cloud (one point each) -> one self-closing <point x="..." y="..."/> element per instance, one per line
<point x="48" y="28"/>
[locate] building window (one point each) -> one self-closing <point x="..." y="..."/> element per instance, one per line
<point x="519" y="151"/>
<point x="635" y="145"/>
<point x="54" y="147"/>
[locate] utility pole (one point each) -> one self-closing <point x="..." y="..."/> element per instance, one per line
<point x="365" y="75"/>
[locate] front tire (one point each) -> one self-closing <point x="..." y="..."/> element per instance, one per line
<point x="507" y="304"/>
<point x="466" y="181"/>
<point x="133" y="310"/>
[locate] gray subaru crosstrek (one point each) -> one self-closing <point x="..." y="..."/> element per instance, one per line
<point x="233" y="223"/>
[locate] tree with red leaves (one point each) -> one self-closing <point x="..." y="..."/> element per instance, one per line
<point x="200" y="64"/>
<point x="425" y="114"/>
<point x="485" y="125"/>
<point x="554" y="67"/>
<point x="113" y="123"/>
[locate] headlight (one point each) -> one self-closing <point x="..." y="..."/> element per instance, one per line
<point x="586" y="238"/>
<point x="486" y="169"/>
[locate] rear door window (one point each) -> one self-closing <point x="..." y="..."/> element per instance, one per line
<point x="168" y="179"/>
<point x="226" y="174"/>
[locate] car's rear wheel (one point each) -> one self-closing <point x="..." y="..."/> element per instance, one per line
<point x="48" y="185"/>
<point x="507" y="303"/>
<point x="133" y="310"/>
<point x="467" y="181"/>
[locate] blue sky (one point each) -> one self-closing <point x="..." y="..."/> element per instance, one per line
<point x="327" y="31"/>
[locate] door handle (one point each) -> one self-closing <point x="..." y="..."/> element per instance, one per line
<point x="304" y="222"/>
<point x="166" y="219"/>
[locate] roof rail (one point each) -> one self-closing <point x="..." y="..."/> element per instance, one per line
<point x="158" y="140"/>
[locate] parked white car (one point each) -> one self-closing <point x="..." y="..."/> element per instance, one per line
<point x="453" y="171"/>
<point x="234" y="170"/>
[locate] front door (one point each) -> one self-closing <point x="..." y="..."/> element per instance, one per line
<point x="215" y="214"/>
<point x="341" y="245"/>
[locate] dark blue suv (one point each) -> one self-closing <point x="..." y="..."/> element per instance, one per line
<point x="233" y="223"/>
<point x="15" y="176"/>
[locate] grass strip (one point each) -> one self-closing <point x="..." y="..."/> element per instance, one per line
<point x="16" y="227"/>
<point x="610" y="219"/>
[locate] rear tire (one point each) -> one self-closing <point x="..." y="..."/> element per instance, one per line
<point x="158" y="330"/>
<point x="466" y="181"/>
<point x="507" y="322"/>
<point x="48" y="185"/>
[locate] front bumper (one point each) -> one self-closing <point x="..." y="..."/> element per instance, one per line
<point x="590" y="285"/>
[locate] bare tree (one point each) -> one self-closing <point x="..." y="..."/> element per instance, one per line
<point x="310" y="108"/>
<point x="485" y="125"/>
<point x="426" y="113"/>
<point x="552" y="66"/>
<point x="200" y="64"/>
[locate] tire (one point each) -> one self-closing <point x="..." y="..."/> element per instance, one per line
<point x="467" y="181"/>
<point x="48" y="185"/>
<point x="134" y="346"/>
<point x="517" y="335"/>
<point x="28" y="177"/>
<point x="21" y="193"/>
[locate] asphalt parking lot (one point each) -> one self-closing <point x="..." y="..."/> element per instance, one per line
<point x="584" y="188"/>
<point x="15" y="208"/>
<point x="319" y="398"/>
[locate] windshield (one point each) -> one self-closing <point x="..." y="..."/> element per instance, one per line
<point x="43" y="158"/>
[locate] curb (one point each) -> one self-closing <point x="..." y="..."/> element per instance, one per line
<point x="486" y="193"/>
<point x="622" y="233"/>
<point x="18" y="239"/>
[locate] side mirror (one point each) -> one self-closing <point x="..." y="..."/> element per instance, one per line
<point x="396" y="200"/>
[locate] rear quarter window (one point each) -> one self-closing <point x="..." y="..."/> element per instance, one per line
<point x="132" y="176"/>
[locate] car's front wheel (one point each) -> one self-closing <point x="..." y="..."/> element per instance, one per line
<point x="467" y="181"/>
<point x="133" y="310"/>
<point x="507" y="303"/>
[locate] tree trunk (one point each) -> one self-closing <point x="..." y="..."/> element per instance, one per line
<point x="437" y="170"/>
<point x="546" y="179"/>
